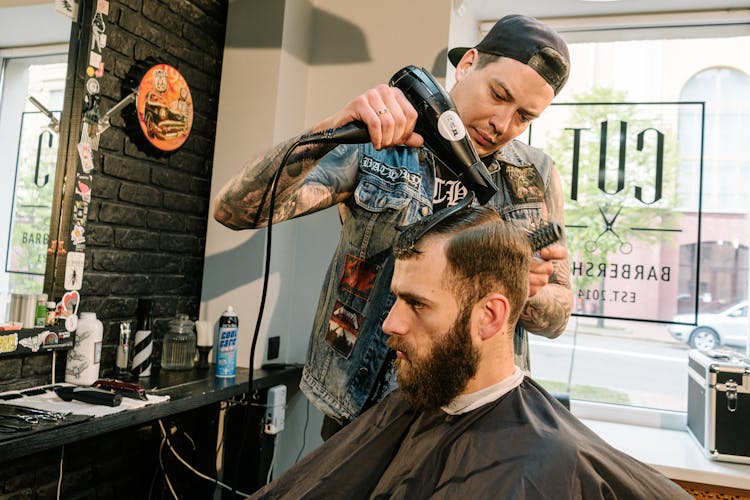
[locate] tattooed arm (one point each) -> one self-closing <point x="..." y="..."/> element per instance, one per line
<point x="309" y="182"/>
<point x="244" y="201"/>
<point x="548" y="308"/>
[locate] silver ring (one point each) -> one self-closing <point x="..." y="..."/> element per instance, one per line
<point x="382" y="111"/>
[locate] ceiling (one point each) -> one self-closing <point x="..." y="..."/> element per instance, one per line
<point x="21" y="3"/>
<point x="492" y="9"/>
<point x="487" y="10"/>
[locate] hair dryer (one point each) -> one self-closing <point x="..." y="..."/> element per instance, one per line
<point x="437" y="121"/>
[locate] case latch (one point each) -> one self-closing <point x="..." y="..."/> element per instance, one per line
<point x="731" y="391"/>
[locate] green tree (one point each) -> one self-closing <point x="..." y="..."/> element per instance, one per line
<point x="32" y="202"/>
<point x="587" y="216"/>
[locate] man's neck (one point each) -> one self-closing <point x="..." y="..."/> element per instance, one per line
<point x="497" y="363"/>
<point x="468" y="401"/>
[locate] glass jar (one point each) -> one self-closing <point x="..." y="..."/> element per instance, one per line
<point x="178" y="347"/>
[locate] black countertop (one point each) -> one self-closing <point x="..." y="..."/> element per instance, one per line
<point x="187" y="390"/>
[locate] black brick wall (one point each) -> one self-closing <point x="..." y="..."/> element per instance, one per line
<point x="145" y="233"/>
<point x="147" y="219"/>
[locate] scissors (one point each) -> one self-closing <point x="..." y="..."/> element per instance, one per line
<point x="625" y="247"/>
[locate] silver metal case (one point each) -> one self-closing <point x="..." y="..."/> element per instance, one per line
<point x="719" y="404"/>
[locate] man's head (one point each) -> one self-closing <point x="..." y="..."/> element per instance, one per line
<point x="459" y="291"/>
<point x="508" y="79"/>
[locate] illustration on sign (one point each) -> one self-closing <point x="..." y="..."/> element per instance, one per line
<point x="165" y="107"/>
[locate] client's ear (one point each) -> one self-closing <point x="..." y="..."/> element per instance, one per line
<point x="493" y="315"/>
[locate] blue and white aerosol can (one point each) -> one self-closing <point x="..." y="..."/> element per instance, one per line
<point x="226" y="355"/>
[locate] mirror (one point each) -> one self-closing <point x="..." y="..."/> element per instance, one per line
<point x="34" y="72"/>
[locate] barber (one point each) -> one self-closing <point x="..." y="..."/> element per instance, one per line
<point x="502" y="84"/>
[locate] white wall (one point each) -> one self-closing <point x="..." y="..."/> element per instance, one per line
<point x="275" y="84"/>
<point x="32" y="25"/>
<point x="464" y="32"/>
<point x="288" y="64"/>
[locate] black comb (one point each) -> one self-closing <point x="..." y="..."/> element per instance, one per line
<point x="545" y="235"/>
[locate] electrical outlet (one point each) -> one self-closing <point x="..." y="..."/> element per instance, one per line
<point x="275" y="410"/>
<point x="274" y="344"/>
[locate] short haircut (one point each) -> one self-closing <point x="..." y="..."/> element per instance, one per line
<point x="486" y="58"/>
<point x="485" y="254"/>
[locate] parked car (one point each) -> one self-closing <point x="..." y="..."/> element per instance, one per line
<point x="728" y="327"/>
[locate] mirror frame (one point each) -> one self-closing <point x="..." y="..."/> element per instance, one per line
<point x="71" y="124"/>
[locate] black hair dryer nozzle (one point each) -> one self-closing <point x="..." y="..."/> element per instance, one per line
<point x="443" y="131"/>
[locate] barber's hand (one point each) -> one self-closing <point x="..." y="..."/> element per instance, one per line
<point x="389" y="116"/>
<point x="542" y="268"/>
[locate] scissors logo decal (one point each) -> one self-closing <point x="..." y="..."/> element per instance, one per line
<point x="625" y="247"/>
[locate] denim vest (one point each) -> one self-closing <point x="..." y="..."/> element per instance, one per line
<point x="347" y="349"/>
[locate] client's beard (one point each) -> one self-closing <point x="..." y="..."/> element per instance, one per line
<point x="434" y="381"/>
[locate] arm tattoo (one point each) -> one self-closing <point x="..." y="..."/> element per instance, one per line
<point x="303" y="187"/>
<point x="547" y="312"/>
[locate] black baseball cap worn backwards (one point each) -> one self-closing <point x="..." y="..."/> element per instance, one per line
<point x="529" y="41"/>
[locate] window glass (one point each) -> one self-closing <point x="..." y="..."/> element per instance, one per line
<point x="644" y="363"/>
<point x="29" y="142"/>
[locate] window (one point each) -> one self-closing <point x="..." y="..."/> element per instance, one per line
<point x="643" y="364"/>
<point x="29" y="144"/>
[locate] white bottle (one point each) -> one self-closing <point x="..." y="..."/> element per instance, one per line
<point x="82" y="366"/>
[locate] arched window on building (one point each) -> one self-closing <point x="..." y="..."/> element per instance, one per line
<point x="726" y="166"/>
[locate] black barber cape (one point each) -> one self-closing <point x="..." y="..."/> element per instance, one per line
<point x="525" y="445"/>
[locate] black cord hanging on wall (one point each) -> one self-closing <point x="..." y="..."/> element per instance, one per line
<point x="159" y="120"/>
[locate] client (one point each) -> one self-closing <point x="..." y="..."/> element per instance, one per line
<point x="465" y="421"/>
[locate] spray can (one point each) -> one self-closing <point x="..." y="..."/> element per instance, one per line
<point x="226" y="355"/>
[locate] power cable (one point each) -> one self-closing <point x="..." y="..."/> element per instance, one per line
<point x="166" y="440"/>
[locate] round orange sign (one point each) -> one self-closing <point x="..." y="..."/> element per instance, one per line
<point x="165" y="107"/>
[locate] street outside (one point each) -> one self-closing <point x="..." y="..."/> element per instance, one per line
<point x="627" y="362"/>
